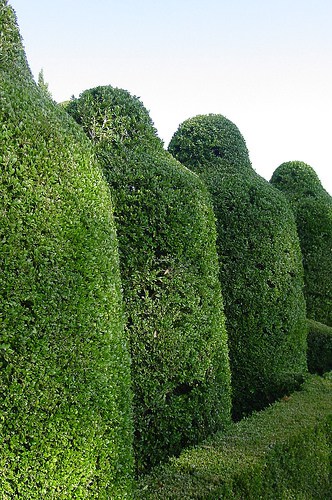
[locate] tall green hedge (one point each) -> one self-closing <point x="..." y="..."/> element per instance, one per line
<point x="65" y="398"/>
<point x="312" y="207"/>
<point x="169" y="266"/>
<point x="261" y="271"/>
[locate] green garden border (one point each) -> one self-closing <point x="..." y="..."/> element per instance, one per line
<point x="282" y="452"/>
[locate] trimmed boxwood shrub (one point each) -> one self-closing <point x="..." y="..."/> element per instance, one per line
<point x="312" y="207"/>
<point x="261" y="270"/>
<point x="281" y="452"/>
<point x="319" y="347"/>
<point x="65" y="405"/>
<point x="168" y="258"/>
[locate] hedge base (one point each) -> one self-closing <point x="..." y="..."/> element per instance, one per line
<point x="283" y="452"/>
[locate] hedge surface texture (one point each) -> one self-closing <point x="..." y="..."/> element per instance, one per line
<point x="65" y="405"/>
<point x="168" y="258"/>
<point x="261" y="270"/>
<point x="312" y="206"/>
<point x="319" y="347"/>
<point x="283" y="452"/>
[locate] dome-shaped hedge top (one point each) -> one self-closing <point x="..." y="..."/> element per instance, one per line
<point x="207" y="138"/>
<point x="297" y="179"/>
<point x="113" y="118"/>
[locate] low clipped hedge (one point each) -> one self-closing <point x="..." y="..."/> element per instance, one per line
<point x="319" y="347"/>
<point x="281" y="452"/>
<point x="65" y="405"/>
<point x="169" y="268"/>
<point x="261" y="270"/>
<point x="312" y="206"/>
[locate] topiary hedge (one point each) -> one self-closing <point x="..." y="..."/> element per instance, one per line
<point x="261" y="271"/>
<point x="319" y="347"/>
<point x="65" y="406"/>
<point x="281" y="452"/>
<point x="312" y="207"/>
<point x="169" y="268"/>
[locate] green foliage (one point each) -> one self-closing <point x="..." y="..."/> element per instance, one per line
<point x="261" y="271"/>
<point x="312" y="207"/>
<point x="283" y="452"/>
<point x="63" y="104"/>
<point x="65" y="405"/>
<point x="11" y="49"/>
<point x="169" y="266"/>
<point x="43" y="85"/>
<point x="214" y="141"/>
<point x="319" y="347"/>
<point x="113" y="120"/>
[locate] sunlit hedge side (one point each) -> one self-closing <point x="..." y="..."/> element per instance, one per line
<point x="261" y="270"/>
<point x="166" y="232"/>
<point x="65" y="399"/>
<point x="312" y="207"/>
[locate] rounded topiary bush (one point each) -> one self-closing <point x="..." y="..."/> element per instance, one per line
<point x="261" y="270"/>
<point x="312" y="207"/>
<point x="66" y="423"/>
<point x="169" y="266"/>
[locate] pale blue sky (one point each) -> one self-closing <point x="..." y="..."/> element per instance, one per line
<point x="264" y="64"/>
